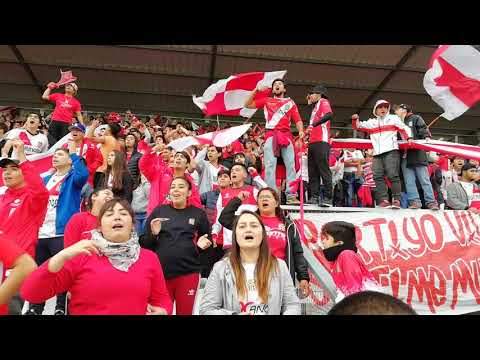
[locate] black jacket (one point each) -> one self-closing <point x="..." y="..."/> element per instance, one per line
<point x="294" y="251"/>
<point x="126" y="192"/>
<point x="133" y="167"/>
<point x="419" y="132"/>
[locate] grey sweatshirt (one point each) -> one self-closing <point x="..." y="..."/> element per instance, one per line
<point x="220" y="295"/>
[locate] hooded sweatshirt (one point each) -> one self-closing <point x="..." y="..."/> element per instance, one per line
<point x="383" y="130"/>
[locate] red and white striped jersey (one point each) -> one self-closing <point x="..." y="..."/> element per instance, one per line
<point x="321" y="132"/>
<point x="224" y="236"/>
<point x="34" y="144"/>
<point x="278" y="112"/>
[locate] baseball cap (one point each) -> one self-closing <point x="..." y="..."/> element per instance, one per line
<point x="77" y="126"/>
<point x="319" y="89"/>
<point x="4" y="161"/>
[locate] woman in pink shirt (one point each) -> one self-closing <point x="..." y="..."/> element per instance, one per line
<point x="108" y="275"/>
<point x="282" y="234"/>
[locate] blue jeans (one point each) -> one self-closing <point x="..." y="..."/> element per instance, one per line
<point x="421" y="173"/>
<point x="351" y="186"/>
<point x="140" y="219"/>
<point x="403" y="200"/>
<point x="270" y="160"/>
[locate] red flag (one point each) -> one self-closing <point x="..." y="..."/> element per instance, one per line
<point x="453" y="79"/>
<point x="66" y="77"/>
<point x="228" y="96"/>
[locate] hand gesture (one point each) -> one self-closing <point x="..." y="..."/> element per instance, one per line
<point x="243" y="195"/>
<point x="203" y="243"/>
<point x="355" y="117"/>
<point x="252" y="171"/>
<point x="261" y="88"/>
<point x="72" y="147"/>
<point x="156" y="226"/>
<point x="52" y="85"/>
<point x="82" y="247"/>
<point x="18" y="146"/>
<point x="156" y="310"/>
<point x="301" y="134"/>
<point x="95" y="123"/>
<point x="304" y="288"/>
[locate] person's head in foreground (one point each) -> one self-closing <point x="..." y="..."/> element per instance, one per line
<point x="469" y="172"/>
<point x="371" y="303"/>
<point x="180" y="191"/>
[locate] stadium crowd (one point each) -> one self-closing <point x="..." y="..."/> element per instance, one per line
<point x="125" y="224"/>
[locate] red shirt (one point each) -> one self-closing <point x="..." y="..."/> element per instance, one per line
<point x="278" y="112"/>
<point x="97" y="288"/>
<point x="9" y="252"/>
<point x="23" y="210"/>
<point x="321" y="132"/>
<point x="79" y="227"/>
<point x="65" y="107"/>
<point x="276" y="235"/>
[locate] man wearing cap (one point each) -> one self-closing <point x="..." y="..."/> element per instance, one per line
<point x="86" y="149"/>
<point x="278" y="110"/>
<point x="415" y="162"/>
<point x="24" y="203"/>
<point x="383" y="130"/>
<point x="66" y="108"/>
<point x="465" y="194"/>
<point x="319" y="146"/>
<point x="35" y="141"/>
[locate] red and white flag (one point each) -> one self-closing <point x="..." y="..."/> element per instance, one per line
<point x="66" y="77"/>
<point x="219" y="138"/>
<point x="440" y="147"/>
<point x="453" y="78"/>
<point x="228" y="96"/>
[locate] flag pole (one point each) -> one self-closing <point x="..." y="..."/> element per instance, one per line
<point x="434" y="121"/>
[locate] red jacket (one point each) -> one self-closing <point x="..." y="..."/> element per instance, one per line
<point x="23" y="210"/>
<point x="78" y="228"/>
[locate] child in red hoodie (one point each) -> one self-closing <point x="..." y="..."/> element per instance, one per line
<point x="347" y="269"/>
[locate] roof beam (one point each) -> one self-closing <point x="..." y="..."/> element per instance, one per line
<point x="387" y="78"/>
<point x="275" y="58"/>
<point x="26" y="67"/>
<point x="212" y="64"/>
<point x="194" y="76"/>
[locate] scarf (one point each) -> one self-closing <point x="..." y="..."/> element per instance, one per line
<point x="120" y="255"/>
<point x="332" y="253"/>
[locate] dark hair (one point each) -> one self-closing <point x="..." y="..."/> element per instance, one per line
<point x="223" y="172"/>
<point x="115" y="129"/>
<point x="65" y="150"/>
<point x="405" y="107"/>
<point x="266" y="264"/>
<point x="371" y="303"/>
<point x="185" y="154"/>
<point x="467" y="166"/>
<point x="135" y="144"/>
<point x="3" y="127"/>
<point x="218" y="149"/>
<point x="89" y="202"/>
<point x="109" y="205"/>
<point x="274" y="81"/>
<point x="119" y="168"/>
<point x="239" y="164"/>
<point x="184" y="179"/>
<point x="341" y="231"/>
<point x="279" y="213"/>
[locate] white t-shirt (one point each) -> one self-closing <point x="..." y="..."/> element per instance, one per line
<point x="468" y="187"/>
<point x="214" y="171"/>
<point x="48" y="228"/>
<point x="253" y="305"/>
<point x="351" y="156"/>
<point x="34" y="144"/>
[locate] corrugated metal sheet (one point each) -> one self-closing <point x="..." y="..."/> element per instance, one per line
<point x="406" y="80"/>
<point x="204" y="48"/>
<point x="357" y="54"/>
<point x="6" y="54"/>
<point x="121" y="58"/>
<point x="14" y="73"/>
<point x="420" y="58"/>
<point x="130" y="81"/>
<point x="299" y="72"/>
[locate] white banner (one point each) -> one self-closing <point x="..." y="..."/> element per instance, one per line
<point x="428" y="259"/>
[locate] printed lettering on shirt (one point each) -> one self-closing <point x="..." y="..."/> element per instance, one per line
<point x="66" y="104"/>
<point x="191" y="221"/>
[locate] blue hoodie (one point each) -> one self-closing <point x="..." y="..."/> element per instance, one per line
<point x="70" y="191"/>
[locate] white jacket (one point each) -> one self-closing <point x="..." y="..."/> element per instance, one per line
<point x="383" y="130"/>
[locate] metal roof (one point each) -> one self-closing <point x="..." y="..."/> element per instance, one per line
<point x="162" y="78"/>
